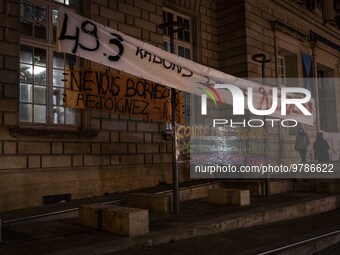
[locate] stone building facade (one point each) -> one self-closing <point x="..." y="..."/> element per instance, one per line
<point x="91" y="153"/>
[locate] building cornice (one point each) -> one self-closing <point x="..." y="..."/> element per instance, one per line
<point x="285" y="28"/>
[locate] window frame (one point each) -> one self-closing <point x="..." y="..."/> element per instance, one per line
<point x="187" y="98"/>
<point x="178" y="42"/>
<point x="282" y="76"/>
<point x="50" y="46"/>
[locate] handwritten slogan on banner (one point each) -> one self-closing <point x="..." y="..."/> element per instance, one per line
<point x="88" y="39"/>
<point x="119" y="93"/>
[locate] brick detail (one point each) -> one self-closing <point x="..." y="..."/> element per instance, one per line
<point x="56" y="161"/>
<point x="114" y="148"/>
<point x="10" y="119"/>
<point x="114" y="125"/>
<point x="77" y="160"/>
<point x="91" y="160"/>
<point x="34" y="162"/>
<point x="34" y="148"/>
<point x="9" y="49"/>
<point x="147" y="148"/>
<point x="157" y="138"/>
<point x="114" y="137"/>
<point x="131" y="137"/>
<point x="114" y="160"/>
<point x="13" y="162"/>
<point x="162" y="158"/>
<point x="131" y="159"/>
<point x="132" y="148"/>
<point x="103" y="137"/>
<point x="130" y="30"/>
<point x="147" y="127"/>
<point x="57" y="148"/>
<point x="77" y="148"/>
<point x="9" y="148"/>
<point x="129" y="9"/>
<point x="95" y="148"/>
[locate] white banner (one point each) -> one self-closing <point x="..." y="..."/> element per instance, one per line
<point x="90" y="40"/>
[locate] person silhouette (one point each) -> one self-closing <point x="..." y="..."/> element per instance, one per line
<point x="321" y="147"/>
<point x="301" y="143"/>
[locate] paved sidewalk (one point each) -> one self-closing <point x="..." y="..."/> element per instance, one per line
<point x="197" y="218"/>
<point x="256" y="240"/>
<point x="74" y="204"/>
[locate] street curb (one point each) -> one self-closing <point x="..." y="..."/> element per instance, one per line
<point x="212" y="226"/>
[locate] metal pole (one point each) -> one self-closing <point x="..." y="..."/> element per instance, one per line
<point x="174" y="142"/>
<point x="175" y="185"/>
<point x="262" y="59"/>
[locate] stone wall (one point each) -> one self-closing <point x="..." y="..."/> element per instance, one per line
<point x="262" y="37"/>
<point x="9" y="53"/>
<point x="232" y="39"/>
<point x="110" y="153"/>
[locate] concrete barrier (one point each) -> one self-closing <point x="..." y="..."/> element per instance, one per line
<point x="229" y="196"/>
<point x="91" y="215"/>
<point x="119" y="220"/>
<point x="126" y="221"/>
<point x="255" y="187"/>
<point x="156" y="203"/>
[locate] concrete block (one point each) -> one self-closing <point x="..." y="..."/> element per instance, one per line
<point x="91" y="215"/>
<point x="155" y="203"/>
<point x="229" y="196"/>
<point x="255" y="187"/>
<point x="275" y="215"/>
<point x="126" y="221"/>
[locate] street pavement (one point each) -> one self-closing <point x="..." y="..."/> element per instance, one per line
<point x="331" y="250"/>
<point x="253" y="240"/>
<point x="196" y="218"/>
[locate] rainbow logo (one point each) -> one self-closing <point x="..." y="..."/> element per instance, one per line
<point x="209" y="90"/>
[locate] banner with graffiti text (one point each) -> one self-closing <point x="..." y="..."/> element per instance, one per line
<point x="119" y="93"/>
<point x="90" y="40"/>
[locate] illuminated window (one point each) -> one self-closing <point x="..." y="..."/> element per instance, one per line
<point x="282" y="70"/>
<point x="42" y="67"/>
<point x="287" y="67"/>
<point x="72" y="3"/>
<point x="182" y="46"/>
<point x="183" y="38"/>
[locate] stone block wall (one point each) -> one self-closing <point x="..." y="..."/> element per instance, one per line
<point x="116" y="153"/>
<point x="263" y="38"/>
<point x="9" y="54"/>
<point x="232" y="41"/>
<point x="111" y="153"/>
